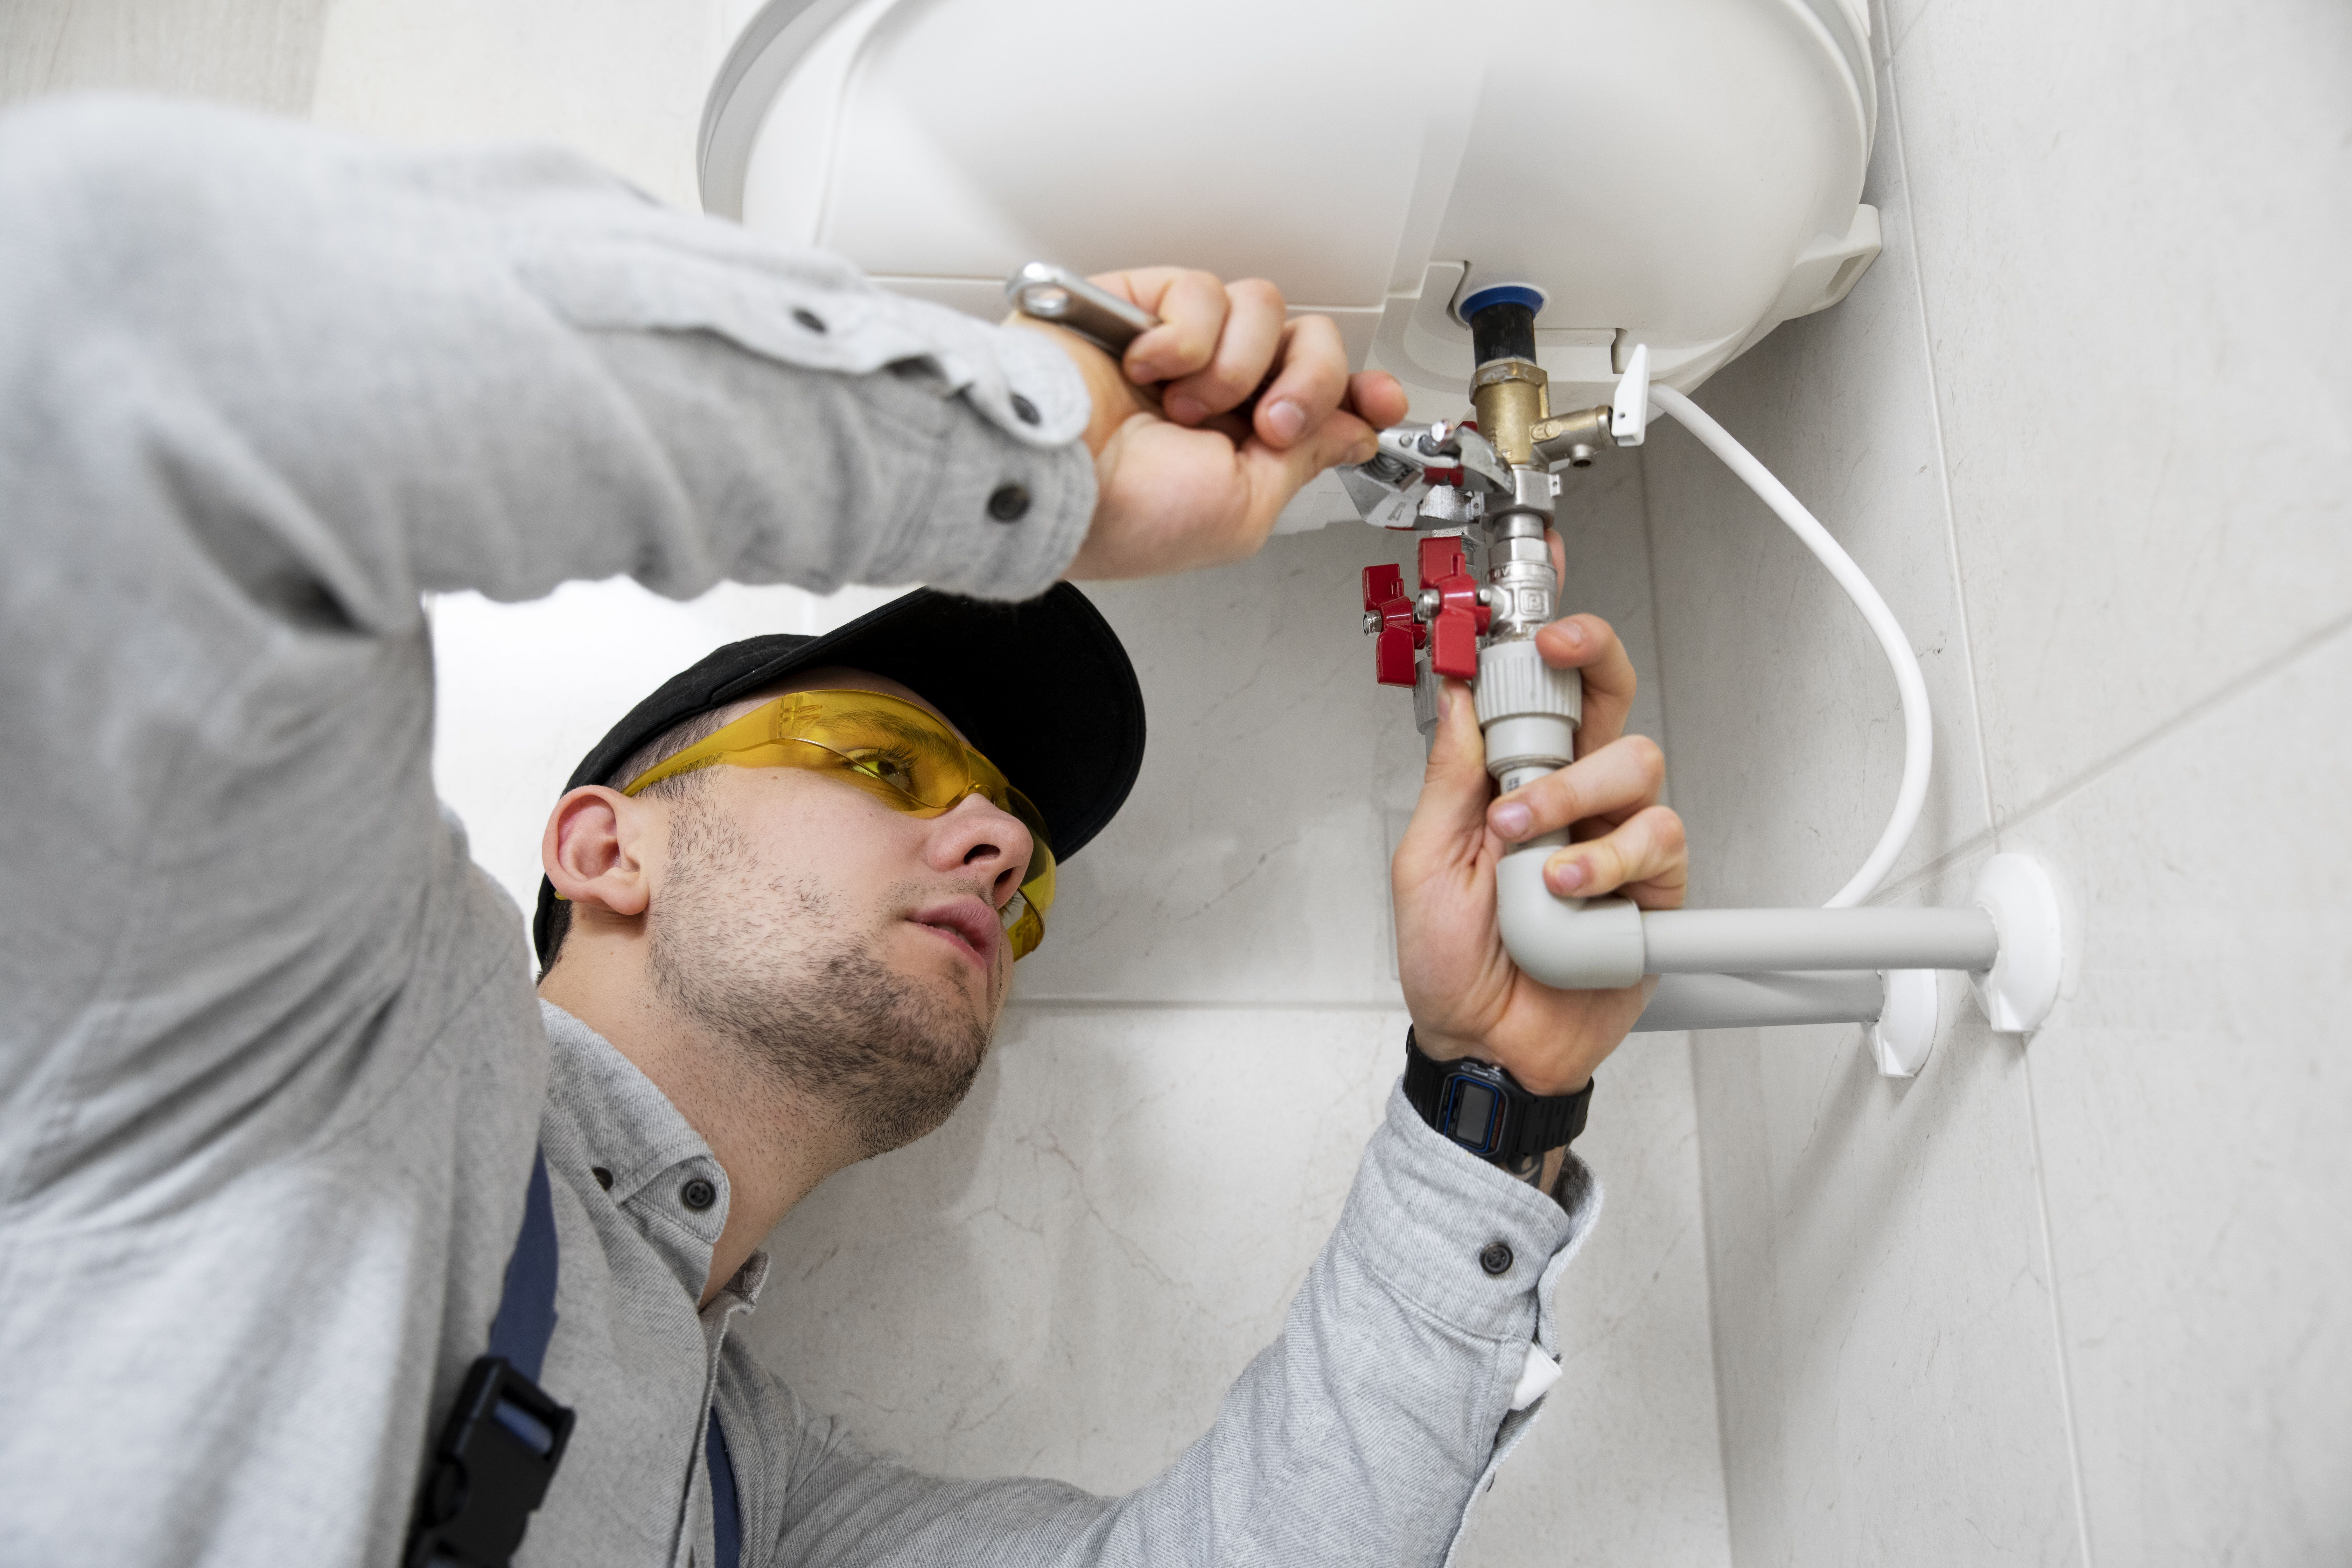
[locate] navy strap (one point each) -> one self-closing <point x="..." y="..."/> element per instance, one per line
<point x="526" y="1319"/>
<point x="726" y="1522"/>
<point x="505" y="1437"/>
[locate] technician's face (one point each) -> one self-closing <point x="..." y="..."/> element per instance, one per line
<point x="857" y="949"/>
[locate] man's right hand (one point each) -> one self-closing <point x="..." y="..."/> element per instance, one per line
<point x="1181" y="481"/>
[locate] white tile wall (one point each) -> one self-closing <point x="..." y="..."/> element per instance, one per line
<point x="2192" y="1090"/>
<point x="1884" y="1331"/>
<point x="620" y="83"/>
<point x="260" y="53"/>
<point x="2132" y="218"/>
<point x="2082" y="1297"/>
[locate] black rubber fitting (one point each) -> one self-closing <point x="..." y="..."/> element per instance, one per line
<point x="1506" y="330"/>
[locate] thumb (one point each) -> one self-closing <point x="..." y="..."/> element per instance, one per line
<point x="1274" y="475"/>
<point x="1453" y="790"/>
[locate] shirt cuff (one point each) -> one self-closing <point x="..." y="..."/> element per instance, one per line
<point x="997" y="516"/>
<point x="1458" y="1237"/>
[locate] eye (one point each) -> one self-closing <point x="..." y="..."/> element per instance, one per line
<point x="894" y="768"/>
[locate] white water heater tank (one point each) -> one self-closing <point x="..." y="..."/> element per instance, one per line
<point x="1684" y="174"/>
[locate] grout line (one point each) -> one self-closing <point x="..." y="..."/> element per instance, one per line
<point x="1910" y="881"/>
<point x="2057" y="1316"/>
<point x="1716" y="1374"/>
<point x="2059" y="1347"/>
<point x="2238" y="686"/>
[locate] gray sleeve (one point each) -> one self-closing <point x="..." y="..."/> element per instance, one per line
<point x="260" y="387"/>
<point x="373" y="372"/>
<point x="1361" y="1436"/>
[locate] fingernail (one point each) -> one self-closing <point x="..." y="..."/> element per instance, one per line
<point x="1510" y="819"/>
<point x="1566" y="876"/>
<point x="1569" y="633"/>
<point x="1285" y="420"/>
<point x="1185" y="410"/>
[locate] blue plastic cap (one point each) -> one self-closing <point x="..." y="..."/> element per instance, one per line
<point x="1526" y="294"/>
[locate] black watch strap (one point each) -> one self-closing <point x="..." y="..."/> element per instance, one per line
<point x="1482" y="1109"/>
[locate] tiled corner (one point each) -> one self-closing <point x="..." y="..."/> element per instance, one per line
<point x="2133" y="232"/>
<point x="2192" y="1089"/>
<point x="1785" y="740"/>
<point x="1884" y="1334"/>
<point x="1066" y="1277"/>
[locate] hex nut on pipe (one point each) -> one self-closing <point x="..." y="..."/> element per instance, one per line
<point x="1514" y="682"/>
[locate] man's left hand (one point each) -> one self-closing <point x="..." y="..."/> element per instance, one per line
<point x="1467" y="996"/>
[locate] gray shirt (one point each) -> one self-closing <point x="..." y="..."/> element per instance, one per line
<point x="270" y="1067"/>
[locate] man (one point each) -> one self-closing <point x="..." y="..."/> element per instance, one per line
<point x="275" y="1099"/>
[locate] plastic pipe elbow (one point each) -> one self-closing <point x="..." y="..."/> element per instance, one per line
<point x="1570" y="944"/>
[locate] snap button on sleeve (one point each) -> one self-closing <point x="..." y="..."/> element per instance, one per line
<point x="1023" y="410"/>
<point x="698" y="1195"/>
<point x="1008" y="504"/>
<point x="809" y="319"/>
<point x="1494" y="1257"/>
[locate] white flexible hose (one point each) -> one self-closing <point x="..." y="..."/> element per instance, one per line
<point x="1918" y="737"/>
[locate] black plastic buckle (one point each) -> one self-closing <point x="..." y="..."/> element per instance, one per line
<point x="496" y="1457"/>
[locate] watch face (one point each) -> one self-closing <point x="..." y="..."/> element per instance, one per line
<point x="1470" y="1113"/>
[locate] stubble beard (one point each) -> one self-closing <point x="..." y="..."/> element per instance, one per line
<point x="776" y="974"/>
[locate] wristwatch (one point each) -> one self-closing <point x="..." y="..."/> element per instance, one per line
<point x="1482" y="1110"/>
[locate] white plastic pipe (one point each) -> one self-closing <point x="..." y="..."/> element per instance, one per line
<point x="1598" y="944"/>
<point x="1747" y="942"/>
<point x="1760" y="1001"/>
<point x="1918" y="736"/>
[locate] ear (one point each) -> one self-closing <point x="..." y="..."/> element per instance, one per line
<point x="594" y="851"/>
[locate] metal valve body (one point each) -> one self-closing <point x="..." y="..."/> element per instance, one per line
<point x="1486" y="590"/>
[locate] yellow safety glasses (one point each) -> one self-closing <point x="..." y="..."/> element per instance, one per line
<point x="895" y="752"/>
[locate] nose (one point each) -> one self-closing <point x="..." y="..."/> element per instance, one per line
<point x="978" y="836"/>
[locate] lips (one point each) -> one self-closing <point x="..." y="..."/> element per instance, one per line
<point x="968" y="922"/>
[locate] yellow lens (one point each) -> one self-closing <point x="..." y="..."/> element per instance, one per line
<point x="894" y="750"/>
<point x="893" y="742"/>
<point x="1037" y="888"/>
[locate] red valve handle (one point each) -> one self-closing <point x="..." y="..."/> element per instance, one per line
<point x="1400" y="634"/>
<point x="1454" y="630"/>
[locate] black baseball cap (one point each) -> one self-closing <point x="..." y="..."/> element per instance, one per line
<point x="1042" y="688"/>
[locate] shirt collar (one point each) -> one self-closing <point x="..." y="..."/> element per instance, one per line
<point x="608" y="1115"/>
